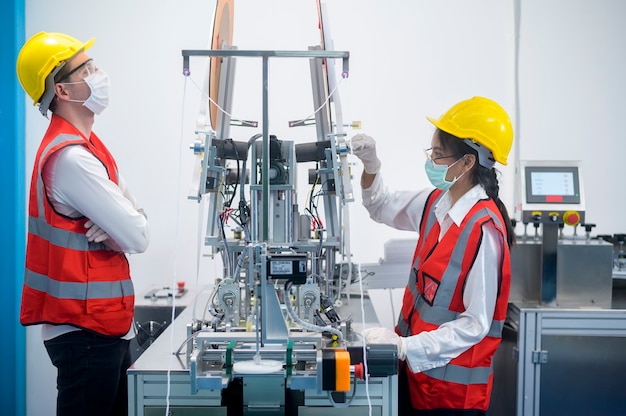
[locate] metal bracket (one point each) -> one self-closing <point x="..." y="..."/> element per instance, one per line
<point x="540" y="357"/>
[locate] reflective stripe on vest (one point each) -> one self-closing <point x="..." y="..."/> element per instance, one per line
<point x="60" y="237"/>
<point x="495" y="331"/>
<point x="461" y="375"/>
<point x="439" y="312"/>
<point x="67" y="279"/>
<point x="76" y="290"/>
<point x="438" y="273"/>
<point x="431" y="219"/>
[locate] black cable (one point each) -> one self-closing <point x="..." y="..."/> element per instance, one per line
<point x="232" y="198"/>
<point x="243" y="207"/>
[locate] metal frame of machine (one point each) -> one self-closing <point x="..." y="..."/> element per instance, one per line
<point x="560" y="361"/>
<point x="275" y="342"/>
<point x="563" y="340"/>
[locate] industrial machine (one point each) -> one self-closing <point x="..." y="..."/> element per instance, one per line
<point x="273" y="338"/>
<point x="564" y="332"/>
<point x="548" y="265"/>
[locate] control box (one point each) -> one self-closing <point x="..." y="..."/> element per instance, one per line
<point x="552" y="192"/>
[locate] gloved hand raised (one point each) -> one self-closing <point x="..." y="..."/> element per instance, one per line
<point x="364" y="147"/>
<point x="385" y="336"/>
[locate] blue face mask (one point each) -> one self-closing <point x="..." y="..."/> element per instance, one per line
<point x="437" y="174"/>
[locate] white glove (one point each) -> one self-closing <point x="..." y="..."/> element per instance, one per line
<point x="385" y="336"/>
<point x="364" y="147"/>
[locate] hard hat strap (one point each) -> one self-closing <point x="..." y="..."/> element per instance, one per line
<point x="485" y="156"/>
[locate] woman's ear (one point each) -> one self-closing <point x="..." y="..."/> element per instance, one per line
<point x="469" y="160"/>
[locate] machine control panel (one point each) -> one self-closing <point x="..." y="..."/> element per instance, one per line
<point x="552" y="192"/>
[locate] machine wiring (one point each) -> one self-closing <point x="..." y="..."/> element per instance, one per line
<point x="210" y="304"/>
<point x="346" y="404"/>
<point x="220" y="220"/>
<point x="303" y="324"/>
<point x="313" y="206"/>
<point x="241" y="216"/>
<point x="309" y="117"/>
<point x="189" y="338"/>
<point x="209" y="98"/>
<point x="324" y="104"/>
<point x="234" y="191"/>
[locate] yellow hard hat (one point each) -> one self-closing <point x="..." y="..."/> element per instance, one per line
<point x="482" y="121"/>
<point x="42" y="55"/>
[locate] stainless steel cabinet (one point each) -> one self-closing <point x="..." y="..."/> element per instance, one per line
<point x="561" y="362"/>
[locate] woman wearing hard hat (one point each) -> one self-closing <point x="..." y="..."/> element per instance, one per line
<point x="82" y="220"/>
<point x="455" y="302"/>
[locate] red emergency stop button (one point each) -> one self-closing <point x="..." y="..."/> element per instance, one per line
<point x="571" y="217"/>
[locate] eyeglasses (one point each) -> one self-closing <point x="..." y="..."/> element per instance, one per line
<point x="83" y="70"/>
<point x="435" y="154"/>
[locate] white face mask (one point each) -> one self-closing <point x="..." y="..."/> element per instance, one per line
<point x="98" y="83"/>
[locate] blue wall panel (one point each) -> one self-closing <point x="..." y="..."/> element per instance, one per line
<point x="12" y="212"/>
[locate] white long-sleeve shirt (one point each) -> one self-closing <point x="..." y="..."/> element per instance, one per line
<point x="403" y="211"/>
<point x="77" y="184"/>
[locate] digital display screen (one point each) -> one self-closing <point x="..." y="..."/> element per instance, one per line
<point x="281" y="267"/>
<point x="290" y="267"/>
<point x="552" y="184"/>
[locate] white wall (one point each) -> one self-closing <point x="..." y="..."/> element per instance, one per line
<point x="572" y="96"/>
<point x="408" y="59"/>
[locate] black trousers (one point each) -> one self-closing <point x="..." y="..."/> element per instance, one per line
<point x="404" y="401"/>
<point x="91" y="377"/>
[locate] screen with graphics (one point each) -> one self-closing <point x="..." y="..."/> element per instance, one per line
<point x="552" y="184"/>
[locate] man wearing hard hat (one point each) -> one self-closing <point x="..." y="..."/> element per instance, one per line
<point x="82" y="220"/>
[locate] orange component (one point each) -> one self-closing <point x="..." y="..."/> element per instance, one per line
<point x="342" y="373"/>
<point x="222" y="39"/>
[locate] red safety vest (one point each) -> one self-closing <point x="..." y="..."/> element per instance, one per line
<point x="434" y="295"/>
<point x="69" y="280"/>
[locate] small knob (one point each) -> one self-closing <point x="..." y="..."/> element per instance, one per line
<point x="588" y="227"/>
<point x="553" y="216"/>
